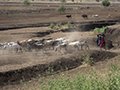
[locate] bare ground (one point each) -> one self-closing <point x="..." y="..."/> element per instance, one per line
<point x="27" y="65"/>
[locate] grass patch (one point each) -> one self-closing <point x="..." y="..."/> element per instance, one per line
<point x="99" y="30"/>
<point x="93" y="81"/>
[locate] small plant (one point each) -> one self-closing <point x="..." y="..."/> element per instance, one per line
<point x="99" y="30"/>
<point x="105" y="3"/>
<point x="51" y="25"/>
<point x="72" y="0"/>
<point x="115" y="44"/>
<point x="61" y="9"/>
<point x="88" y="7"/>
<point x="118" y="36"/>
<point x="26" y="2"/>
<point x="68" y="24"/>
<point x="97" y="0"/>
<point x="87" y="59"/>
<point x="75" y="8"/>
<point x="59" y="24"/>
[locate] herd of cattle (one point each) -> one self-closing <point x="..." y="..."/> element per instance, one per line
<point x="42" y="45"/>
<point x="84" y="16"/>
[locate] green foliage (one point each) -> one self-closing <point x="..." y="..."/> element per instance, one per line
<point x="59" y="24"/>
<point x="61" y="8"/>
<point x="88" y="7"/>
<point x="68" y="24"/>
<point x="87" y="59"/>
<point x="105" y="3"/>
<point x="75" y="8"/>
<point x="51" y="25"/>
<point x="92" y="81"/>
<point x="99" y="30"/>
<point x="115" y="44"/>
<point x="26" y="2"/>
<point x="63" y="1"/>
<point x="97" y="0"/>
<point x="72" y="0"/>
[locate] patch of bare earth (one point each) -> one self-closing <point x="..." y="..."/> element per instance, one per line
<point x="13" y="67"/>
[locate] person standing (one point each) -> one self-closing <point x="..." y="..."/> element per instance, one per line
<point x="102" y="44"/>
<point x="98" y="40"/>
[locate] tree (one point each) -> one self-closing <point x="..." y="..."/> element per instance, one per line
<point x="105" y="3"/>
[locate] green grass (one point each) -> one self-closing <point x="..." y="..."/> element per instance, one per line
<point x="99" y="30"/>
<point x="93" y="81"/>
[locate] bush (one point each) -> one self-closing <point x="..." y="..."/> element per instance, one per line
<point x="72" y="0"/>
<point x="75" y="8"/>
<point x="68" y="24"/>
<point x="51" y="25"/>
<point x="61" y="8"/>
<point x="59" y="24"/>
<point x="105" y="3"/>
<point x="87" y="59"/>
<point x="99" y="30"/>
<point x="26" y="2"/>
<point x="97" y="0"/>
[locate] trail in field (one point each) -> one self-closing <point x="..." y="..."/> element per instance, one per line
<point x="111" y="50"/>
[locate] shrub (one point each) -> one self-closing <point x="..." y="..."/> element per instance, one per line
<point x="61" y="8"/>
<point x="97" y="0"/>
<point x="63" y="1"/>
<point x="68" y="24"/>
<point x="75" y="8"/>
<point x="26" y="2"/>
<point x="72" y="0"/>
<point x="97" y="30"/>
<point x="87" y="59"/>
<point x="59" y="24"/>
<point x="105" y="3"/>
<point x="51" y="25"/>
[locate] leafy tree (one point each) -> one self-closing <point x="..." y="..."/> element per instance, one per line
<point x="26" y="2"/>
<point x="72" y="0"/>
<point x="105" y="3"/>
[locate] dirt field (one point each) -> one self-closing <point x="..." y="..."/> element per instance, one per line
<point x="31" y="22"/>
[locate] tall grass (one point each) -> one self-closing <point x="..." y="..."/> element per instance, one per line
<point x="91" y="81"/>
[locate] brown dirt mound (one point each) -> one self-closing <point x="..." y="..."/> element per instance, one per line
<point x="73" y="61"/>
<point x="112" y="33"/>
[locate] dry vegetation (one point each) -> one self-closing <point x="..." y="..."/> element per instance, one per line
<point x="20" y="24"/>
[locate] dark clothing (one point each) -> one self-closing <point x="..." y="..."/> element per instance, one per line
<point x="99" y="39"/>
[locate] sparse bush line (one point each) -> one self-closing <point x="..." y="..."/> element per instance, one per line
<point x="93" y="81"/>
<point x="59" y="25"/>
<point x="90" y="81"/>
